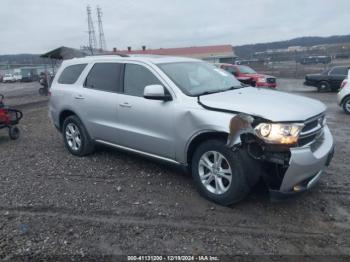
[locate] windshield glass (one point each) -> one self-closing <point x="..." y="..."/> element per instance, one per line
<point x="198" y="78"/>
<point x="246" y="70"/>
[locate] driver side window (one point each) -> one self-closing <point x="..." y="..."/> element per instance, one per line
<point x="136" y="77"/>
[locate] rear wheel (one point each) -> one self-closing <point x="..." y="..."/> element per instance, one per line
<point x="76" y="138"/>
<point x="323" y="86"/>
<point x="219" y="173"/>
<point x="346" y="105"/>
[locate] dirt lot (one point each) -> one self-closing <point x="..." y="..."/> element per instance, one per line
<point x="110" y="203"/>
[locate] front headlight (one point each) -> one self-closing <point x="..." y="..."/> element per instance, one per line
<point x="262" y="79"/>
<point x="279" y="133"/>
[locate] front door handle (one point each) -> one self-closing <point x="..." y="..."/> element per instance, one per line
<point x="79" y="97"/>
<point x="125" y="105"/>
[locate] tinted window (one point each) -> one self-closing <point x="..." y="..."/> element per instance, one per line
<point x="104" y="76"/>
<point x="71" y="73"/>
<point x="246" y="70"/>
<point x="136" y="78"/>
<point x="230" y="69"/>
<point x="339" y="71"/>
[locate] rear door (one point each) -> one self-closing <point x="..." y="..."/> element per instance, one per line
<point x="145" y="125"/>
<point x="99" y="100"/>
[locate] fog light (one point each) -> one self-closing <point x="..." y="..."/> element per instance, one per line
<point x="297" y="188"/>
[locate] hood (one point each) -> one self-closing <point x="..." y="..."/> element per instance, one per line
<point x="272" y="105"/>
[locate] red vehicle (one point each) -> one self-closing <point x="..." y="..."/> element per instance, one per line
<point x="9" y="118"/>
<point x="249" y="76"/>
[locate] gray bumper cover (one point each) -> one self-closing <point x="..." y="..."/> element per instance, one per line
<point x="306" y="163"/>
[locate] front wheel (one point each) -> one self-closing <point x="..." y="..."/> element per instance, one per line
<point x="219" y="173"/>
<point x="346" y="105"/>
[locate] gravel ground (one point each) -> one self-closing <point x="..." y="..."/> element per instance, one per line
<point x="113" y="203"/>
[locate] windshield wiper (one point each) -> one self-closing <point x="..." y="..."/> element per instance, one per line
<point x="220" y="90"/>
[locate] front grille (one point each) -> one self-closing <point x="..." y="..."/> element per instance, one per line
<point x="271" y="80"/>
<point x="312" y="130"/>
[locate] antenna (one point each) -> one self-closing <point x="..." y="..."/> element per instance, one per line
<point x="91" y="31"/>
<point x="102" y="39"/>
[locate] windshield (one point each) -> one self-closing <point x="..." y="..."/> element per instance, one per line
<point x="246" y="70"/>
<point x="198" y="78"/>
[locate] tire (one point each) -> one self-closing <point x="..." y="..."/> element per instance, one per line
<point x="323" y="86"/>
<point x="225" y="192"/>
<point x="346" y="105"/>
<point x="41" y="91"/>
<point x="74" y="131"/>
<point x="14" y="132"/>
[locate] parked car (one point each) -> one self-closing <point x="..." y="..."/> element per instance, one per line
<point x="328" y="80"/>
<point x="190" y="113"/>
<point x="8" y="78"/>
<point x="310" y="60"/>
<point x="247" y="75"/>
<point x="344" y="94"/>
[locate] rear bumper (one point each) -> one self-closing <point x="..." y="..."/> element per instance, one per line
<point x="306" y="167"/>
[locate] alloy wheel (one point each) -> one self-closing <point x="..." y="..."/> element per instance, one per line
<point x="215" y="172"/>
<point x="73" y="136"/>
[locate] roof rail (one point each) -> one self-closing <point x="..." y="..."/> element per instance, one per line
<point x="121" y="55"/>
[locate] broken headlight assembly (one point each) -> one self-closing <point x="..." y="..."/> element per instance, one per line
<point x="272" y="133"/>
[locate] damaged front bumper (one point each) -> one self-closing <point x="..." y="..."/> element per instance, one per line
<point x="306" y="165"/>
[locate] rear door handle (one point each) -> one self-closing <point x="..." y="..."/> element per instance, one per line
<point x="125" y="105"/>
<point x="79" y="97"/>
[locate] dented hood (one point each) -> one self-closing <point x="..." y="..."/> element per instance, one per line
<point x="273" y="105"/>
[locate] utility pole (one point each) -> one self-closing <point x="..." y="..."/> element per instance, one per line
<point x="91" y="31"/>
<point x="102" y="40"/>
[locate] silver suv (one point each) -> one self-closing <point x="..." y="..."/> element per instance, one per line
<point x="190" y="113"/>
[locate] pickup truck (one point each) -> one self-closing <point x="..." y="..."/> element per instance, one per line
<point x="247" y="75"/>
<point x="8" y="78"/>
<point x="328" y="80"/>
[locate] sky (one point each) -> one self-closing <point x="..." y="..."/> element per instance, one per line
<point x="38" y="26"/>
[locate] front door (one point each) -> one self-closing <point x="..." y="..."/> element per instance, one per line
<point x="145" y="125"/>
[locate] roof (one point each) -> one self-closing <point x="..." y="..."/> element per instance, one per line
<point x="154" y="59"/>
<point x="183" y="51"/>
<point x="63" y="52"/>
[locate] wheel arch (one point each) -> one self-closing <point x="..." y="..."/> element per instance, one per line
<point x="63" y="115"/>
<point x="343" y="99"/>
<point x="197" y="139"/>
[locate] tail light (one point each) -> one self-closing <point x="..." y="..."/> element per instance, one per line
<point x="345" y="81"/>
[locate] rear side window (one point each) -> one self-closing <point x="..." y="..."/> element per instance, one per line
<point x="105" y="77"/>
<point x="71" y="74"/>
<point x="136" y="78"/>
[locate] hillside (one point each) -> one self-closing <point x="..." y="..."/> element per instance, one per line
<point x="245" y="51"/>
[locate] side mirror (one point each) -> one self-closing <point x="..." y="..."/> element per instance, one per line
<point x="156" y="92"/>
